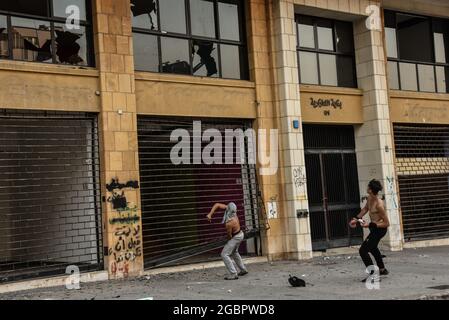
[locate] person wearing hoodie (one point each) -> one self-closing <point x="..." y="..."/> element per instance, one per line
<point x="230" y="252"/>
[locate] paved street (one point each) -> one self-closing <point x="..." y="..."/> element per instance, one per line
<point x="412" y="274"/>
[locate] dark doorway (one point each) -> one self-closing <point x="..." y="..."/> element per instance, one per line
<point x="332" y="184"/>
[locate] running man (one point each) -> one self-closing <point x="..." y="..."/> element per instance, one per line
<point x="378" y="228"/>
<point x="235" y="237"/>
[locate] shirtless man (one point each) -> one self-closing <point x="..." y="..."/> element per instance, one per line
<point x="378" y="227"/>
<point x="235" y="237"/>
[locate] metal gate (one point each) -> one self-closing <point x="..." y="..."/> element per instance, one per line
<point x="49" y="199"/>
<point x="332" y="185"/>
<point x="177" y="198"/>
<point x="422" y="164"/>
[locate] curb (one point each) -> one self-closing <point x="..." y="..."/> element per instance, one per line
<point x="437" y="296"/>
<point x="51" y="282"/>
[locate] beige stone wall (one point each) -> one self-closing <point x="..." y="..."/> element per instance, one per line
<point x="40" y="86"/>
<point x="419" y="107"/>
<point x="293" y="232"/>
<point x="179" y="95"/>
<point x="262" y="74"/>
<point x="118" y="133"/>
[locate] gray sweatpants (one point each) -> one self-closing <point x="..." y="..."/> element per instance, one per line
<point x="231" y="252"/>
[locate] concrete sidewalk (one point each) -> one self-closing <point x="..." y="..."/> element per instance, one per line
<point x="414" y="274"/>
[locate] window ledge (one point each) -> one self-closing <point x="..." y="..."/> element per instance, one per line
<point x="25" y="66"/>
<point x="330" y="90"/>
<point x="176" y="78"/>
<point x="419" y="95"/>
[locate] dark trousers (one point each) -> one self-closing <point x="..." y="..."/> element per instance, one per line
<point x="370" y="246"/>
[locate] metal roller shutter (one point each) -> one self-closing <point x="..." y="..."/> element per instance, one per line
<point x="49" y="199"/>
<point x="176" y="198"/>
<point x="422" y="162"/>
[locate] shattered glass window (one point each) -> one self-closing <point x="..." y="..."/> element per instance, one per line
<point x="31" y="40"/>
<point x="70" y="45"/>
<point x="144" y="14"/>
<point x="57" y="31"/>
<point x="205" y="58"/>
<point x="193" y="37"/>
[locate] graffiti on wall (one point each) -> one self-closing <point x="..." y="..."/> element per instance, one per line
<point x="299" y="180"/>
<point x="392" y="201"/>
<point x="127" y="247"/>
<point x="115" y="184"/>
<point x="127" y="211"/>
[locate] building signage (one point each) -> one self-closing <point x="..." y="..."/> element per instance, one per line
<point x="326" y="103"/>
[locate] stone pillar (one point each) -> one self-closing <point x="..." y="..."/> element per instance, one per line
<point x="374" y="141"/>
<point x="295" y="231"/>
<point x="261" y="73"/>
<point x="122" y="227"/>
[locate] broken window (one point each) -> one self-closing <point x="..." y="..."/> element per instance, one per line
<point x="205" y="58"/>
<point x="31" y="40"/>
<point x="4" y="46"/>
<point x="45" y="37"/>
<point x="144" y="13"/>
<point x="70" y="45"/>
<point x="196" y="37"/>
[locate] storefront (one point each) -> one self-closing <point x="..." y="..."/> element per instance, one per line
<point x="50" y="200"/>
<point x="176" y="197"/>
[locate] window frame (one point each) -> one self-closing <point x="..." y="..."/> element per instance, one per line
<point x="434" y="64"/>
<point x="52" y="20"/>
<point x="319" y="51"/>
<point x="241" y="45"/>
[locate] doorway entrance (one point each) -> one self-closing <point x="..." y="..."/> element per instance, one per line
<point x="332" y="184"/>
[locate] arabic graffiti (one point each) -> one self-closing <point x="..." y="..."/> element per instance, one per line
<point x="118" y="199"/>
<point x="114" y="185"/>
<point x="127" y="248"/>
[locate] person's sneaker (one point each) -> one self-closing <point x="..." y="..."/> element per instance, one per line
<point x="384" y="272"/>
<point x="243" y="273"/>
<point x="232" y="277"/>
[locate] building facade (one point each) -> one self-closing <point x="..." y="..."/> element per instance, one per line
<point x="98" y="97"/>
